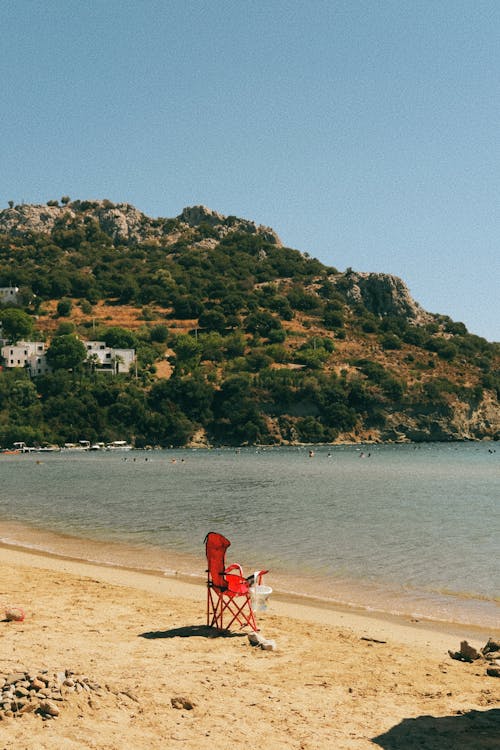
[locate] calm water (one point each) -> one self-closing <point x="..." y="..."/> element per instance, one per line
<point x="396" y="528"/>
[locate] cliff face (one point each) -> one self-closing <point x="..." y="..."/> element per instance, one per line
<point x="123" y="222"/>
<point x="383" y="294"/>
<point x="462" y="422"/>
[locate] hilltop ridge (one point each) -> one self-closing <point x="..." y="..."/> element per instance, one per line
<point x="122" y="221"/>
<point x="239" y="338"/>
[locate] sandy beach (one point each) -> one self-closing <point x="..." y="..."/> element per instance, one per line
<point x="340" y="678"/>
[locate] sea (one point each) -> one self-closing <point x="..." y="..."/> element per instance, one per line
<point x="407" y="529"/>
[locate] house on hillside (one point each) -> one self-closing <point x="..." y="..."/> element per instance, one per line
<point x="27" y="354"/>
<point x="108" y="359"/>
<point x="9" y="294"/>
<point x="32" y="356"/>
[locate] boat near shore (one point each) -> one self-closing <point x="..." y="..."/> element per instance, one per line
<point x="119" y="445"/>
<point x="81" y="445"/>
<point x="21" y="447"/>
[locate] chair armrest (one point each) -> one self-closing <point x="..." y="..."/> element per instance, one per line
<point x="234" y="566"/>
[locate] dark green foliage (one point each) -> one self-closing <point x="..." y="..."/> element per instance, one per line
<point x="64" y="328"/>
<point x="262" y="323"/>
<point x="213" y="320"/>
<point x="188" y="353"/>
<point x="66" y="352"/>
<point x="159" y="333"/>
<point x="390" y="341"/>
<point x="119" y="338"/>
<point x="237" y="419"/>
<point x="333" y="319"/>
<point x="300" y="299"/>
<point x="16" y="324"/>
<point x="443" y="347"/>
<point x="64" y="307"/>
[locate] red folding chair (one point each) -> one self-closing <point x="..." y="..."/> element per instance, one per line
<point x="228" y="591"/>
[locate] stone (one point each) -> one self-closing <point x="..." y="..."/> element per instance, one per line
<point x="257" y="639"/>
<point x="493" y="671"/>
<point x="47" y="707"/>
<point x="382" y="294"/>
<point x="466" y="653"/>
<point x="15" y="677"/>
<point x="490" y="647"/>
<point x="268" y="645"/>
<point x="28" y="708"/>
<point x="179" y="702"/>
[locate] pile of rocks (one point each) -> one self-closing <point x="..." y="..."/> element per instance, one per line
<point x="490" y="653"/>
<point x="41" y="692"/>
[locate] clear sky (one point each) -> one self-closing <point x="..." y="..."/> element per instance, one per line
<point x="366" y="133"/>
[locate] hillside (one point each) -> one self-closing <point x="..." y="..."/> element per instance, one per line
<point x="239" y="339"/>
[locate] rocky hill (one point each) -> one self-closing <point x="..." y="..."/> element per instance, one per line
<point x="239" y="339"/>
<point x="122" y="222"/>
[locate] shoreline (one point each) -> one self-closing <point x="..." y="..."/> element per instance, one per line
<point x="351" y="596"/>
<point x="406" y="628"/>
<point x="157" y="677"/>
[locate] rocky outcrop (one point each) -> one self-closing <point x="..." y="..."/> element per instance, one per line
<point x="20" y="220"/>
<point x="382" y="294"/>
<point x="194" y="216"/>
<point x="122" y="222"/>
<point x="462" y="421"/>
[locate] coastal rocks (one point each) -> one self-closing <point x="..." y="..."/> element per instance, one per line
<point x="489" y="654"/>
<point x="42" y="693"/>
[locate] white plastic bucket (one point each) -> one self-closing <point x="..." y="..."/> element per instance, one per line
<point x="259" y="595"/>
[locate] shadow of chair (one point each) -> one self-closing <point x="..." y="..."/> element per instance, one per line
<point x="191" y="631"/>
<point x="474" y="730"/>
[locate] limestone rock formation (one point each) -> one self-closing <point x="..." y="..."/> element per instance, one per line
<point x="382" y="294"/>
<point x="193" y="216"/>
<point x="121" y="221"/>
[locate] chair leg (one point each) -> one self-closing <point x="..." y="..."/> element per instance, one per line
<point x="220" y="607"/>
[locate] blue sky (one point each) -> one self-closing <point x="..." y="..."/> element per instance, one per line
<point x="365" y="133"/>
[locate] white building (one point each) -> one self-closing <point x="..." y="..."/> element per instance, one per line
<point x="108" y="359"/>
<point x="32" y="356"/>
<point x="8" y="294"/>
<point x="28" y="354"/>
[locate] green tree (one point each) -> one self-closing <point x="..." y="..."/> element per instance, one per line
<point x="120" y="338"/>
<point x="159" y="333"/>
<point x="66" y="353"/>
<point x="64" y="307"/>
<point x="187" y="352"/>
<point x="16" y="324"/>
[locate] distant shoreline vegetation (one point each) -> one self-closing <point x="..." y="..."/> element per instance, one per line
<point x="238" y="340"/>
